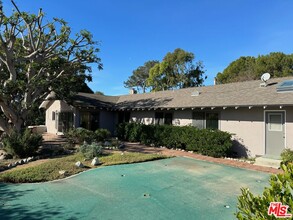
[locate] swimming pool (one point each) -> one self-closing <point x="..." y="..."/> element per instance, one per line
<point x="175" y="188"/>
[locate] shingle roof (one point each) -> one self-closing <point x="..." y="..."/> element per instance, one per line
<point x="94" y="100"/>
<point x="225" y="95"/>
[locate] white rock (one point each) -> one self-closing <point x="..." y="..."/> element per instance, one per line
<point x="95" y="162"/>
<point x="62" y="172"/>
<point x="29" y="159"/>
<point x="79" y="164"/>
<point x="11" y="165"/>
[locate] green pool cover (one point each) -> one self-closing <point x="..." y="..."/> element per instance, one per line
<point x="176" y="188"/>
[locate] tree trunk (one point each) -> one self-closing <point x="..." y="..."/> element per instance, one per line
<point x="18" y="125"/>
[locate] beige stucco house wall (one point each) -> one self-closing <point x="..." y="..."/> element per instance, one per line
<point x="247" y="127"/>
<point x="54" y="107"/>
<point x="182" y="117"/>
<point x="289" y="127"/>
<point x="246" y="124"/>
<point x="145" y="117"/>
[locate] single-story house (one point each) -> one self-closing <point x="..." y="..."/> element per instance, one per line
<point x="259" y="116"/>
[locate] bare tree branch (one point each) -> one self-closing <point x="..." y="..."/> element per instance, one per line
<point x="8" y="112"/>
<point x="4" y="125"/>
<point x="36" y="58"/>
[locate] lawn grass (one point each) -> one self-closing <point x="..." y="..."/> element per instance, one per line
<point x="49" y="170"/>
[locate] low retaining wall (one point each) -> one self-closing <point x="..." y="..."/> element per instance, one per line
<point x="38" y="129"/>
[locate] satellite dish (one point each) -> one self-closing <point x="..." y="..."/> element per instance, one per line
<point x="265" y="77"/>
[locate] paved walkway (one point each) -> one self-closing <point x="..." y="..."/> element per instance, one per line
<point x="136" y="147"/>
<point x="52" y="142"/>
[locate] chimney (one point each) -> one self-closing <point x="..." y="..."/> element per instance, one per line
<point x="132" y="91"/>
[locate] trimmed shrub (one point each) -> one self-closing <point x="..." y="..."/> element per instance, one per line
<point x="147" y="134"/>
<point x="80" y="135"/>
<point x="214" y="143"/>
<point x="133" y="131"/>
<point x="280" y="190"/>
<point x="90" y="151"/>
<point x="22" y="144"/>
<point x="287" y="156"/>
<point x="208" y="142"/>
<point x="120" y="131"/>
<point x="102" y="134"/>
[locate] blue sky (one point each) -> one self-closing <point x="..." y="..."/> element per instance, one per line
<point x="132" y="32"/>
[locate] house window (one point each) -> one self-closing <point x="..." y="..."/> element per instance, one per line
<point x="123" y="117"/>
<point x="212" y="121"/>
<point x="162" y="118"/>
<point x="159" y="118"/>
<point x="168" y="119"/>
<point x="89" y="120"/>
<point x="53" y="116"/>
<point x="198" y="120"/>
<point x="127" y="117"/>
<point x="65" y="122"/>
<point x="84" y="120"/>
<point x="275" y="122"/>
<point x="208" y="120"/>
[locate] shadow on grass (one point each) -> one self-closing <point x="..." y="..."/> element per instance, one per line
<point x="14" y="206"/>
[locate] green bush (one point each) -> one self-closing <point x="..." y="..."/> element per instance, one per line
<point x="89" y="151"/>
<point x="280" y="190"/>
<point x="22" y="144"/>
<point x="102" y="134"/>
<point x="120" y="131"/>
<point x="214" y="143"/>
<point x="287" y="156"/>
<point x="208" y="142"/>
<point x="80" y="135"/>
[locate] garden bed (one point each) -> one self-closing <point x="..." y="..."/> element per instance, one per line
<point x="49" y="170"/>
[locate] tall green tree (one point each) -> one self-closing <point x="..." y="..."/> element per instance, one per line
<point x="36" y="58"/>
<point x="99" y="93"/>
<point x="177" y="70"/>
<point x="139" y="76"/>
<point x="250" y="68"/>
